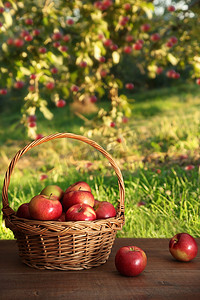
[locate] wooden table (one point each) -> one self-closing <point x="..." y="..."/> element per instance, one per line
<point x="163" y="278"/>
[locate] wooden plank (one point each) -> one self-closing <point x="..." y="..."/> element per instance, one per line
<point x="163" y="278"/>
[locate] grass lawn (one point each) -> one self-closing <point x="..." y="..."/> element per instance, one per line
<point x="162" y="138"/>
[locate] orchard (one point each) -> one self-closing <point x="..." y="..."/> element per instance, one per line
<point x="64" y="52"/>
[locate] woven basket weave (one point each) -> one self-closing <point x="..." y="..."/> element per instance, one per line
<point x="72" y="245"/>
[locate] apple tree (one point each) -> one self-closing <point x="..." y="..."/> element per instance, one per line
<point x="78" y="52"/>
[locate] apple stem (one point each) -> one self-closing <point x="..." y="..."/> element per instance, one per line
<point x="79" y="188"/>
<point x="50" y="196"/>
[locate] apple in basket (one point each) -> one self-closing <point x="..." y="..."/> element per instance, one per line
<point x="53" y="190"/>
<point x="104" y="209"/>
<point x="23" y="211"/>
<point x="80" y="212"/>
<point x="79" y="186"/>
<point x="47" y="208"/>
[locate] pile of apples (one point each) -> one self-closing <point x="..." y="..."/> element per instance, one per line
<point x="77" y="203"/>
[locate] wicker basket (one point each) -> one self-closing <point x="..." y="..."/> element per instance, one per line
<point x="73" y="245"/>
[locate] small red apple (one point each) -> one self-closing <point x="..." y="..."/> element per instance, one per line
<point x="107" y="42"/>
<point x="80" y="212"/>
<point x="104" y="210"/>
<point x="189" y="167"/>
<point x="129" y="86"/>
<point x="54" y="191"/>
<point x="159" y="70"/>
<point x="1" y="10"/>
<point x="70" y="21"/>
<point x="31" y="118"/>
<point x="66" y="38"/>
<point x="42" y="50"/>
<point x="28" y="38"/>
<point x="18" y="43"/>
<point x="10" y="41"/>
<point x="79" y="186"/>
<point x="145" y="27"/>
<point x="3" y="91"/>
<point x="169" y="44"/>
<point x="63" y="48"/>
<point x="137" y="46"/>
<point x="43" y="177"/>
<point x="130" y="260"/>
<point x="103" y="73"/>
<point x="33" y="76"/>
<point x="129" y="38"/>
<point x="102" y="59"/>
<point x="56" y="44"/>
<point x="155" y="37"/>
<point x="57" y="36"/>
<point x="50" y="85"/>
<point x="127" y="6"/>
<point x="173" y="40"/>
<point x="77" y="197"/>
<point x="83" y="64"/>
<point x="183" y="247"/>
<point x="61" y="103"/>
<point x="74" y="88"/>
<point x="45" y="208"/>
<point x="112" y="124"/>
<point x="19" y="84"/>
<point x="171" y="8"/>
<point x="93" y="99"/>
<point x="36" y="32"/>
<point x="29" y="21"/>
<point x="113" y="47"/>
<point x="127" y="49"/>
<point x="32" y="124"/>
<point x="39" y="136"/>
<point x="198" y="81"/>
<point x="23" y="211"/>
<point x="54" y="70"/>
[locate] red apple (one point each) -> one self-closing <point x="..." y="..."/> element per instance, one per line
<point x="130" y="260"/>
<point x="137" y="46"/>
<point x="31" y="118"/>
<point x="171" y="8"/>
<point x="3" y="91"/>
<point x="33" y="76"/>
<point x="63" y="48"/>
<point x="183" y="247"/>
<point x="36" y="32"/>
<point x="45" y="208"/>
<point x="127" y="6"/>
<point x="102" y="59"/>
<point x="53" y="190"/>
<point x="18" y="43"/>
<point x="83" y="64"/>
<point x="54" y="70"/>
<point x="70" y="21"/>
<point x="129" y="38"/>
<point x="32" y="124"/>
<point x="145" y="27"/>
<point x="50" y="85"/>
<point x="43" y="177"/>
<point x="29" y="21"/>
<point x="61" y="103"/>
<point x="79" y="186"/>
<point x="107" y="42"/>
<point x="66" y="38"/>
<point x="127" y="49"/>
<point x="42" y="50"/>
<point x="112" y="124"/>
<point x="23" y="211"/>
<point x="10" y="41"/>
<point x="80" y="212"/>
<point x="56" y="36"/>
<point x="129" y="86"/>
<point x="31" y="88"/>
<point x="155" y="37"/>
<point x="159" y="70"/>
<point x="113" y="47"/>
<point x="56" y="44"/>
<point x="93" y="99"/>
<point x="74" y="88"/>
<point x="104" y="210"/>
<point x="103" y="73"/>
<point x="39" y="136"/>
<point x="173" y="40"/>
<point x="19" y="84"/>
<point x="77" y="197"/>
<point x="198" y="81"/>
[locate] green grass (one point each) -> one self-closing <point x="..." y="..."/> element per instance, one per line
<point x="164" y="125"/>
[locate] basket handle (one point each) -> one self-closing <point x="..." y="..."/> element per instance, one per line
<point x="8" y="211"/>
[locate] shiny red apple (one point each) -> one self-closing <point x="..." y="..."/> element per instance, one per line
<point x="130" y="260"/>
<point x="104" y="209"/>
<point x="77" y="197"/>
<point x="80" y="212"/>
<point x="183" y="247"/>
<point x="45" y="208"/>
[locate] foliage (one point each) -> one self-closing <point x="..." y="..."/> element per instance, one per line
<point x="76" y="51"/>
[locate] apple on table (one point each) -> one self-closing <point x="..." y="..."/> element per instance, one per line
<point x="183" y="247"/>
<point x="130" y="260"/>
